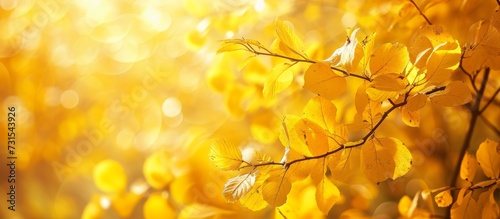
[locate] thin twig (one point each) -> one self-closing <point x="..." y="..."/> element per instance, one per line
<point x="472" y="80"/>
<point x="493" y="97"/>
<point x="490" y="125"/>
<point x="421" y="13"/>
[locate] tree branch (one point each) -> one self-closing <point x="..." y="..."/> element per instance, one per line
<point x="475" y="114"/>
<point x="493" y="97"/>
<point x="421" y="13"/>
<point x="490" y="125"/>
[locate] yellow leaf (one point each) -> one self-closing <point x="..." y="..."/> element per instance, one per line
<point x="367" y="44"/>
<point x="467" y="208"/>
<point x="468" y="167"/>
<point x="389" y="58"/>
<point x="489" y="159"/>
<point x="416" y="102"/>
<point x="340" y="165"/>
<point x="225" y="155"/>
<point x="313" y="136"/>
<point x="238" y="186"/>
<point x="288" y="36"/>
<point x="201" y="211"/>
<point x="349" y="55"/>
<point x="289" y="137"/>
<point x="322" y="80"/>
<point x="156" y="170"/>
<point x="109" y="176"/>
<point x="373" y="112"/>
<point x="157" y="206"/>
<point x="254" y="200"/>
<point x="385" y="158"/>
<point x="321" y="111"/>
<point x="410" y="118"/>
<point x="361" y="100"/>
<point x="444" y="59"/>
<point x="436" y="34"/>
<point x="456" y="93"/>
<point x="93" y="210"/>
<point x="230" y="45"/>
<point x="443" y="199"/>
<point x="279" y="79"/>
<point x="404" y="205"/>
<point x="327" y="195"/>
<point x="300" y="170"/>
<point x="275" y="190"/>
<point x="385" y="87"/>
<point x="125" y="203"/>
<point x="488" y="204"/>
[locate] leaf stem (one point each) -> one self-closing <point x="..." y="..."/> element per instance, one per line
<point x="421" y="13"/>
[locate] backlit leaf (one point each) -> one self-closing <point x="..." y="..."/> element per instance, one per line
<point x="443" y="199"/>
<point x="299" y="170"/>
<point x="289" y="136"/>
<point x="322" y="80"/>
<point x="389" y="58"/>
<point x="489" y="159"/>
<point x="444" y="59"/>
<point x="467" y="208"/>
<point x="253" y="199"/>
<point x="225" y="155"/>
<point x="321" y="111"/>
<point x="468" y="167"/>
<point x="385" y="87"/>
<point x="349" y="55"/>
<point x="385" y="158"/>
<point x="313" y="136"/>
<point x="327" y="195"/>
<point x="275" y="190"/>
<point x="288" y="36"/>
<point x="410" y="118"/>
<point x="238" y="186"/>
<point x="279" y="79"/>
<point x="456" y="93"/>
<point x="487" y="203"/>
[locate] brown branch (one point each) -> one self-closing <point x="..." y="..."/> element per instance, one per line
<point x="472" y="80"/>
<point x="421" y="13"/>
<point x="490" y="101"/>
<point x="475" y="114"/>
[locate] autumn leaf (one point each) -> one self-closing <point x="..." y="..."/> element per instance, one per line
<point x="322" y="80"/>
<point x="313" y="136"/>
<point x="349" y="55"/>
<point x="444" y="59"/>
<point x="288" y="36"/>
<point x="291" y="138"/>
<point x="468" y="167"/>
<point x="253" y="199"/>
<point x="238" y="186"/>
<point x="299" y="170"/>
<point x="410" y="118"/>
<point x="465" y="208"/>
<point x="225" y="155"/>
<point x="385" y="87"/>
<point x="385" y="158"/>
<point x="279" y="79"/>
<point x="416" y="102"/>
<point x="489" y="159"/>
<point x="327" y="195"/>
<point x="321" y="111"/>
<point x="488" y="204"/>
<point x="275" y="190"/>
<point x="443" y="199"/>
<point x="456" y="93"/>
<point x="389" y="58"/>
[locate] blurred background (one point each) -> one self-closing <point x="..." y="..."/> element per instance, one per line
<point x="116" y="100"/>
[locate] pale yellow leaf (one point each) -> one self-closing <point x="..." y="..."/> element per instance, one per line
<point x="489" y="159"/>
<point x="225" y="155"/>
<point x="443" y="199"/>
<point x="468" y="167"/>
<point x="279" y="79"/>
<point x="275" y="190"/>
<point x="322" y="80"/>
<point x="385" y="158"/>
<point x="349" y="55"/>
<point x="456" y="93"/>
<point x="416" y="102"/>
<point x="327" y="195"/>
<point x="289" y="37"/>
<point x="389" y="58"/>
<point x="410" y="118"/>
<point x="254" y="200"/>
<point x="238" y="186"/>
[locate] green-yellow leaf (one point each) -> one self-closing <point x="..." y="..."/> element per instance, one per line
<point x="288" y="36"/>
<point x="279" y="79"/>
<point x="456" y="93"/>
<point x="327" y="195"/>
<point x="225" y="155"/>
<point x="238" y="186"/>
<point x="322" y="80"/>
<point x="468" y="167"/>
<point x="275" y="190"/>
<point x="385" y="158"/>
<point x="389" y="58"/>
<point x="489" y="159"/>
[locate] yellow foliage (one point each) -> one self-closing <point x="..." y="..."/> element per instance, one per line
<point x="109" y="176"/>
